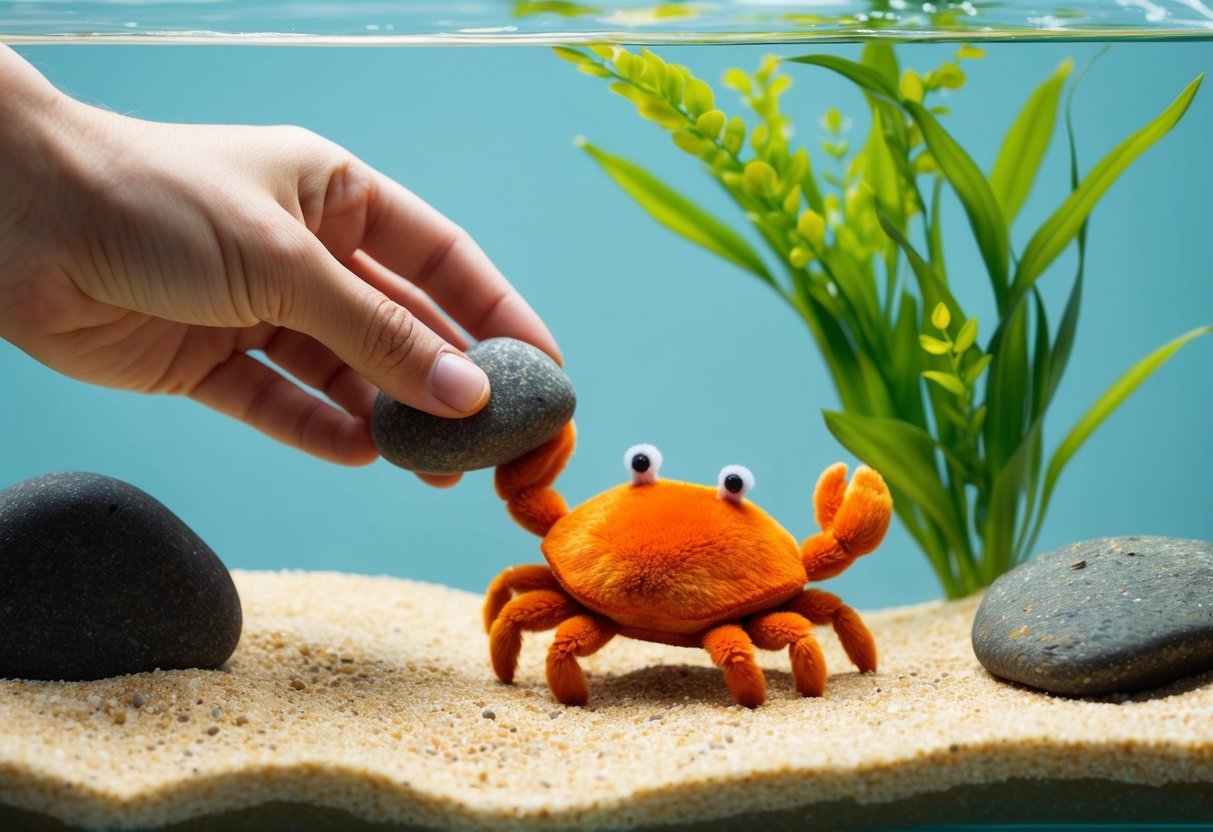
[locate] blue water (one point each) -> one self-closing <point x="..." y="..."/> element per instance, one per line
<point x="665" y="343"/>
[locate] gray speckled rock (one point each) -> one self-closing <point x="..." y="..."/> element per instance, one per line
<point x="1116" y="614"/>
<point x="531" y="400"/>
<point x="98" y="579"/>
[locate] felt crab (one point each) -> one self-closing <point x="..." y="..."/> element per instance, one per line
<point x="682" y="564"/>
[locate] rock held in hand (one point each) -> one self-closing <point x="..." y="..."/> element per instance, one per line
<point x="98" y="579"/>
<point x="1112" y="615"/>
<point x="531" y="400"/>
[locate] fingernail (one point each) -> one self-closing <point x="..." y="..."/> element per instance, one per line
<point x="459" y="383"/>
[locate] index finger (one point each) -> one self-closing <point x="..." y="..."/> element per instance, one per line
<point x="416" y="241"/>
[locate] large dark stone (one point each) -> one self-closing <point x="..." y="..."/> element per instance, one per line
<point x="98" y="578"/>
<point x="1116" y="614"/>
<point x="530" y="402"/>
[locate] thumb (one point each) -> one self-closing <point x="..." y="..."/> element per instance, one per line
<point x="383" y="341"/>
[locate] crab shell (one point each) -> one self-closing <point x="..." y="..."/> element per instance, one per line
<point x="667" y="560"/>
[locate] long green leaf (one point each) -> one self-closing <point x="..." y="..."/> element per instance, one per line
<point x="1112" y="398"/>
<point x="933" y="289"/>
<point x="1007" y="390"/>
<point x="679" y="214"/>
<point x="1025" y="144"/>
<point x="1059" y="229"/>
<point x="989" y="226"/>
<point x="866" y="77"/>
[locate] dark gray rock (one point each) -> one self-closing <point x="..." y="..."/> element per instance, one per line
<point x="530" y="402"/>
<point x="1112" y="615"/>
<point x="98" y="579"/>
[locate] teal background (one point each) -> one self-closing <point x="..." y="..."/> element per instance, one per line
<point x="665" y="344"/>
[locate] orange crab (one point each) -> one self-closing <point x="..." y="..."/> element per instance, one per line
<point x="683" y="564"/>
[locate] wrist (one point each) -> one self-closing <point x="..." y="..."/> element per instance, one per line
<point x="37" y="122"/>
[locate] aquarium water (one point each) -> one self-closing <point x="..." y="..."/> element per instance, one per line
<point x="665" y="343"/>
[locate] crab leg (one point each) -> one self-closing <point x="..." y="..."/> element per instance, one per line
<point x="823" y="608"/>
<point x="516" y="579"/>
<point x="541" y="609"/>
<point x="775" y="630"/>
<point x="525" y="483"/>
<point x="853" y="520"/>
<point x="581" y="635"/>
<point x="733" y="652"/>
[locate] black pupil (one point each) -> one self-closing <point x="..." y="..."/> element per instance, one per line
<point x="640" y="463"/>
<point x="733" y="483"/>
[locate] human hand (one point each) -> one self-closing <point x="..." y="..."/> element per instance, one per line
<point x="155" y="257"/>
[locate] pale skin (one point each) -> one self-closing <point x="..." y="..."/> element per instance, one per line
<point x="154" y="257"/>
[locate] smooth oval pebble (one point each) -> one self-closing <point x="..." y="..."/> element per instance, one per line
<point x="530" y="402"/>
<point x="1112" y="615"/>
<point x="98" y="579"/>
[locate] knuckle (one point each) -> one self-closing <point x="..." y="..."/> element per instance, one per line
<point x="391" y="338"/>
<point x="454" y="239"/>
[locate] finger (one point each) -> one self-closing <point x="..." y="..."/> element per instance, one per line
<point x="245" y="389"/>
<point x="318" y="367"/>
<point x="379" y="338"/>
<point x="440" y="480"/>
<point x="414" y="240"/>
<point x="408" y="296"/>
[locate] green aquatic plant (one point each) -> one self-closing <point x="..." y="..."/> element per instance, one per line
<point x="954" y="422"/>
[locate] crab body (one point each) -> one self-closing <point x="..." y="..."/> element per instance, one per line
<point x="682" y="564"/>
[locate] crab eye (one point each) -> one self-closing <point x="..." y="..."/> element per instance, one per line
<point x="734" y="482"/>
<point x="644" y="461"/>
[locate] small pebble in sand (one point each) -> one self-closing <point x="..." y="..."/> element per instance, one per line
<point x="138" y="700"/>
<point x="531" y="399"/>
<point x="1136" y="615"/>
<point x="487" y="714"/>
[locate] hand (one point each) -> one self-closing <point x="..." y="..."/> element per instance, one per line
<point x="156" y="257"/>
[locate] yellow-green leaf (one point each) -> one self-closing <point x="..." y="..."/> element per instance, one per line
<point x="940" y="316"/>
<point x="711" y="123"/>
<point x="698" y="97"/>
<point x="734" y="134"/>
<point x="979" y="366"/>
<point x="689" y="142"/>
<point x="661" y="112"/>
<point x="812" y="226"/>
<point x="912" y="88"/>
<point x="933" y="345"/>
<point x="597" y="70"/>
<point x="737" y="79"/>
<point x="679" y="214"/>
<point x="966" y="337"/>
<point x="791" y="202"/>
<point x="575" y="56"/>
<point x="945" y="380"/>
<point x="760" y="178"/>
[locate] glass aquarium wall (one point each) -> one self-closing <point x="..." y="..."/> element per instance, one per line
<point x="665" y="342"/>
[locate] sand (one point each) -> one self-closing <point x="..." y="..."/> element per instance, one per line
<point x="355" y="700"/>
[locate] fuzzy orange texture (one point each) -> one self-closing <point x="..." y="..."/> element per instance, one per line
<point x="673" y="558"/>
<point x="673" y="562"/>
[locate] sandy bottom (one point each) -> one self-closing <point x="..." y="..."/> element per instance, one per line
<point x="358" y="702"/>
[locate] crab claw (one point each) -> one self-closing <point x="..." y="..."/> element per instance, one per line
<point x="853" y="519"/>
